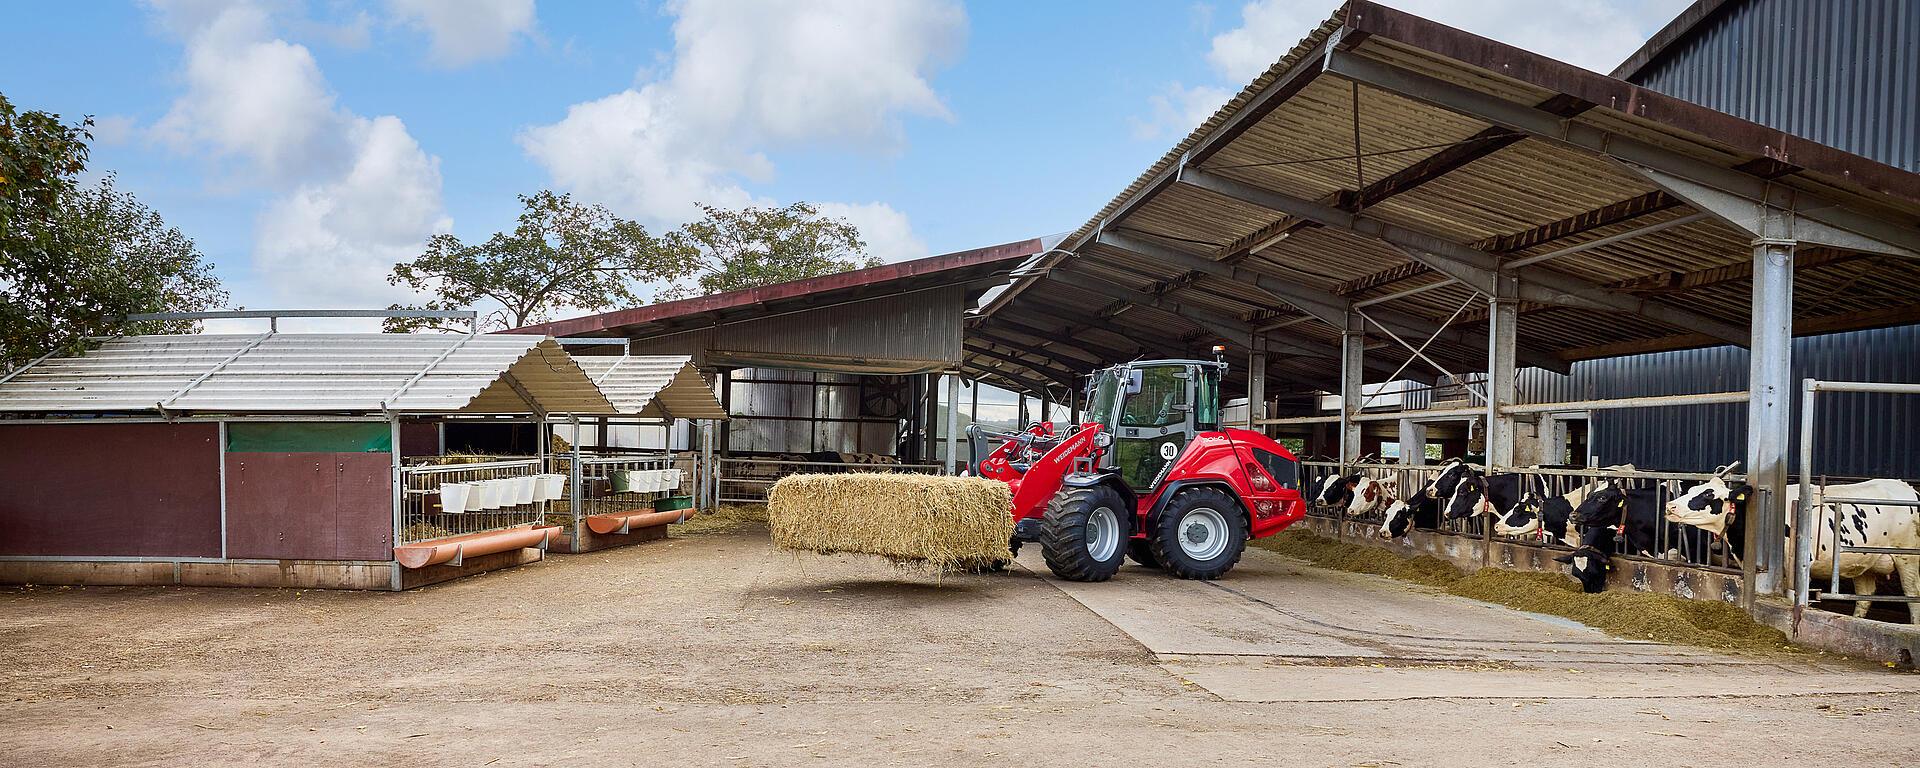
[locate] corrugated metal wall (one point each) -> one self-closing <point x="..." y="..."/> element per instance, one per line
<point x="1861" y="435"/>
<point x="1845" y="73"/>
<point x="907" y="333"/>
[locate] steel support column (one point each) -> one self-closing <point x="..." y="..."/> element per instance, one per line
<point x="1257" y="387"/>
<point x="1353" y="345"/>
<point x="953" y="421"/>
<point x="1502" y="316"/>
<point x="1769" y="415"/>
<point x="1413" y="443"/>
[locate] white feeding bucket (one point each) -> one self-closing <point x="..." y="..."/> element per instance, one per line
<point x="552" y="487"/>
<point x="480" y="495"/>
<point x="673" y="479"/>
<point x="524" y="487"/>
<point x="501" y="490"/>
<point x="657" y="481"/>
<point x="453" y="497"/>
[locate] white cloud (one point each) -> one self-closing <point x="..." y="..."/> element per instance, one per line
<point x="465" y="31"/>
<point x="888" y="234"/>
<point x="1587" y="33"/>
<point x="1179" y="109"/>
<point x="254" y="97"/>
<point x="747" y="78"/>
<point x="332" y="242"/>
<point x="353" y="194"/>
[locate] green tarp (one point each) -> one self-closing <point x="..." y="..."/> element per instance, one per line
<point x="309" y="437"/>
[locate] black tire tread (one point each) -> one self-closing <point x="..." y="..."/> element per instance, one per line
<point x="1063" y="533"/>
<point x="1165" y="526"/>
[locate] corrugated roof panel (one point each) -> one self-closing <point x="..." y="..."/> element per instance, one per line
<point x="654" y="385"/>
<point x="308" y="373"/>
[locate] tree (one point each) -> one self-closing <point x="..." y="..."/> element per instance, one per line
<point x="752" y="247"/>
<point x="561" y="255"/>
<point x="75" y="261"/>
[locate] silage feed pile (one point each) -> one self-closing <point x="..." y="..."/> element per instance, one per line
<point x="947" y="524"/>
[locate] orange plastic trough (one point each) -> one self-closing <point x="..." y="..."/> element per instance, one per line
<point x="456" y="549"/>
<point x="622" y="522"/>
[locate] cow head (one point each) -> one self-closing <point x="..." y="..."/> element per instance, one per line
<point x="1591" y="559"/>
<point x="1710" y="506"/>
<point x="1370" y="495"/>
<point x="1399" y="520"/>
<point x="1337" y="490"/>
<point x="1603" y="506"/>
<point x="1523" y="519"/>
<point x="1442" y="485"/>
<point x="1469" y="497"/>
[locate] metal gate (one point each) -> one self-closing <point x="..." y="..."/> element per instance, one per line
<point x="1813" y="498"/>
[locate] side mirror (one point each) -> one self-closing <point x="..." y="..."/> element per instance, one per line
<point x="1135" y="380"/>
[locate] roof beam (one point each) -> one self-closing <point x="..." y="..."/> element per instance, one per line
<point x="1042" y="368"/>
<point x="1904" y="234"/>
<point x="1075" y="361"/>
<point x="1231" y="328"/>
<point x="1585" y="221"/>
<point x="1320" y="305"/>
<point x="1464" y="263"/>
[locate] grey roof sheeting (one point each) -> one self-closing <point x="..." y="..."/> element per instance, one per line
<point x="1383" y="127"/>
<point x="309" y="373"/>
<point x="659" y="386"/>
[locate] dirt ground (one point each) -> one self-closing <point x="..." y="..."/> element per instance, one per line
<point x="720" y="651"/>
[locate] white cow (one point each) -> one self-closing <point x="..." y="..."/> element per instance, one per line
<point x="1715" y="506"/>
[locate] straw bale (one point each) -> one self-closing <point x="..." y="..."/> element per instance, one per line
<point x="947" y="524"/>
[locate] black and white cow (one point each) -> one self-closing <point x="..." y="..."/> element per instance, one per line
<point x="1336" y="490"/>
<point x="1716" y="506"/>
<point x="1443" y="483"/>
<point x="1549" y="518"/>
<point x="1591" y="558"/>
<point x="1406" y="514"/>
<point x="1478" y="494"/>
<point x="1634" y="513"/>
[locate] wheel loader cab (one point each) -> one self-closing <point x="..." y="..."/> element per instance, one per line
<point x="1153" y="410"/>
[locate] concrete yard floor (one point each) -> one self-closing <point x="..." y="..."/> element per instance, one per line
<point x="721" y="651"/>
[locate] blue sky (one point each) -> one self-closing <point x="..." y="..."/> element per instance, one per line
<point x="306" y="146"/>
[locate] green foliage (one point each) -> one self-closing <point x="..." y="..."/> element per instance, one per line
<point x="562" y="255"/>
<point x="752" y="247"/>
<point x="74" y="261"/>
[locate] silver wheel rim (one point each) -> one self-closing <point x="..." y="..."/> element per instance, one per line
<point x="1103" y="533"/>
<point x="1203" y="533"/>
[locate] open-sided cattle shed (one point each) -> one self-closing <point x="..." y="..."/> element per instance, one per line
<point x="1397" y="199"/>
<point x="306" y="460"/>
<point x="835" y="369"/>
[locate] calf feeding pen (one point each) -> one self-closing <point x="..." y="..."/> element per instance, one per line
<point x="306" y="460"/>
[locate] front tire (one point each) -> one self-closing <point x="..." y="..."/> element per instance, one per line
<point x="1084" y="532"/>
<point x="1200" y="534"/>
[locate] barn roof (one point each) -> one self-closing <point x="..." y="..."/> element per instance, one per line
<point x="1402" y="168"/>
<point x="285" y="373"/>
<point x="658" y="386"/>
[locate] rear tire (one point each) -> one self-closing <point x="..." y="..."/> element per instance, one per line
<point x="1140" y="551"/>
<point x="1200" y="534"/>
<point x="1084" y="532"/>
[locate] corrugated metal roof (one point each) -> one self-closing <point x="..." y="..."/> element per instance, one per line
<point x="1309" y="130"/>
<point x="658" y="386"/>
<point x="308" y="373"/>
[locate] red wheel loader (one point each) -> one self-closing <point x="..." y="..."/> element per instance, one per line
<point x="1150" y="475"/>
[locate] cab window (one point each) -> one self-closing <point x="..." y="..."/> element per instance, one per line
<point x="1163" y="392"/>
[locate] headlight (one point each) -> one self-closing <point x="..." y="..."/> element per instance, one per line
<point x="1102" y="440"/>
